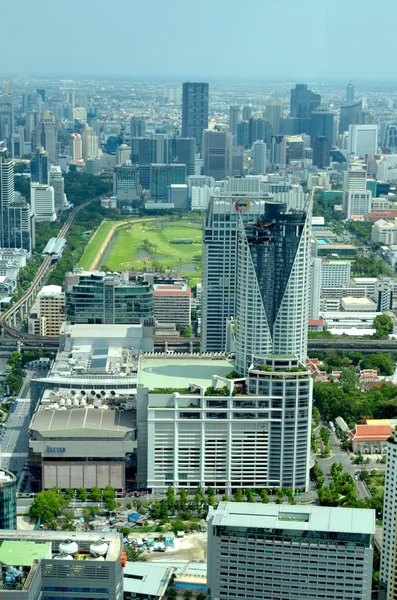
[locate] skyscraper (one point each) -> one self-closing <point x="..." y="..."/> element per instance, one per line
<point x="273" y="262"/>
<point x="351" y="114"/>
<point x="321" y="152"/>
<point x="350" y="91"/>
<point x="388" y="565"/>
<point x="6" y="116"/>
<point x="126" y="186"/>
<point x="181" y="151"/>
<point x="303" y="101"/>
<point x="161" y="176"/>
<point x="247" y="113"/>
<point x="39" y="166"/>
<point x="195" y="111"/>
<point x="8" y="500"/>
<point x="259" y="158"/>
<point x="322" y="124"/>
<point x="42" y="202"/>
<point x="217" y="153"/>
<point x="89" y="143"/>
<point x="273" y="113"/>
<point x="48" y="136"/>
<point x="234" y="118"/>
<point x="75" y="147"/>
<point x="363" y="140"/>
<point x="57" y="182"/>
<point x="357" y="200"/>
<point x="138" y="127"/>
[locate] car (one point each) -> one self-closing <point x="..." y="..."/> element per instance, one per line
<point x="356" y="477"/>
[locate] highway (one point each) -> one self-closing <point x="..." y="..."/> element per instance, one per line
<point x="8" y="330"/>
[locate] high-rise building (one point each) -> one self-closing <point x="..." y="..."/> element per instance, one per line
<point x="321" y="152"/>
<point x="390" y="137"/>
<point x="6" y="116"/>
<point x="282" y="552"/>
<point x="123" y="154"/>
<point x="217" y="153"/>
<point x="322" y="124"/>
<point x="32" y="121"/>
<point x="42" y="202"/>
<point x="75" y="147"/>
<point x="273" y="113"/>
<point x="181" y="151"/>
<point x="39" y="166"/>
<point x="303" y="101"/>
<point x="351" y="114"/>
<point x="259" y="158"/>
<point x="89" y="143"/>
<point x="388" y="565"/>
<point x="220" y="261"/>
<point x="172" y="303"/>
<point x="103" y="298"/>
<point x="234" y="118"/>
<point x="350" y="91"/>
<point x="162" y="176"/>
<point x="243" y="134"/>
<point x="138" y="127"/>
<point x="49" y="566"/>
<point x="363" y="140"/>
<point x="8" y="500"/>
<point x="247" y="113"/>
<point x="273" y="261"/>
<point x="57" y="181"/>
<point x="47" y="136"/>
<point x="143" y="150"/>
<point x="357" y="200"/>
<point x="79" y="113"/>
<point x="195" y="97"/>
<point x="48" y="313"/>
<point x="126" y="186"/>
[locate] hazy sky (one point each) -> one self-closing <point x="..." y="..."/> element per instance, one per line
<point x="298" y="39"/>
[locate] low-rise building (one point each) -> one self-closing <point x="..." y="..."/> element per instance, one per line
<point x="51" y="564"/>
<point x="172" y="303"/>
<point x="11" y="261"/>
<point x="370" y="439"/>
<point x="48" y="313"/>
<point x="365" y="305"/>
<point x="146" y="581"/>
<point x="278" y="551"/>
<point x="384" y="232"/>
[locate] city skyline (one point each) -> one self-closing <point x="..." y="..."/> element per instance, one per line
<point x="220" y="21"/>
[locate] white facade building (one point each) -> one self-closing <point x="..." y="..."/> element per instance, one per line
<point x="243" y="185"/>
<point x="315" y="288"/>
<point x="200" y="197"/>
<point x="387" y="168"/>
<point x="75" y="147"/>
<point x="259" y="158"/>
<point x="79" y="113"/>
<point x="42" y="202"/>
<point x="388" y="565"/>
<point x="363" y="140"/>
<point x="357" y="200"/>
<point x="126" y="186"/>
<point x="90" y="146"/>
<point x="282" y="552"/>
<point x="384" y="232"/>
<point x="57" y="182"/>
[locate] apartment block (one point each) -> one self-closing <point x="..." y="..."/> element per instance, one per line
<point x="48" y="314"/>
<point x="172" y="303"/>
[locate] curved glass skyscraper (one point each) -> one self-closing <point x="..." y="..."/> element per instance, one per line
<point x="8" y="500"/>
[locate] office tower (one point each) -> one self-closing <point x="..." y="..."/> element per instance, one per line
<point x="143" y="150"/>
<point x="160" y="141"/>
<point x="123" y="154"/>
<point x="32" y="119"/>
<point x="42" y="202"/>
<point x="162" y="176"/>
<point x="48" y="565"/>
<point x="48" y="312"/>
<point x="56" y="180"/>
<point x="8" y="500"/>
<point x="41" y="92"/>
<point x="315" y="288"/>
<point x="234" y="118"/>
<point x="138" y="127"/>
<point x="388" y="565"/>
<point x="322" y="124"/>
<point x="256" y="130"/>
<point x="181" y="151"/>
<point x="237" y="161"/>
<point x="357" y="200"/>
<point x="200" y="197"/>
<point x="194" y="111"/>
<point x="351" y="114"/>
<point x="178" y="196"/>
<point x="303" y="101"/>
<point x="79" y="113"/>
<point x="217" y="153"/>
<point x="75" y="147"/>
<point x="6" y="116"/>
<point x="363" y="140"/>
<point x="126" y="186"/>
<point x="295" y="148"/>
<point x="90" y="146"/>
<point x="321" y="152"/>
<point x="47" y="136"/>
<point x="243" y="134"/>
<point x="282" y="552"/>
<point x="39" y="166"/>
<point x="220" y="261"/>
<point x="273" y="113"/>
<point x="273" y="261"/>
<point x="17" y="224"/>
<point x="259" y="158"/>
<point x="247" y="113"/>
<point x="278" y="151"/>
<point x="390" y="137"/>
<point x="350" y="91"/>
<point x="6" y="190"/>
<point x="96" y="298"/>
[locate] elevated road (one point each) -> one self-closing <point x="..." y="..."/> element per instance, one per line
<point x="8" y="320"/>
<point x="351" y="343"/>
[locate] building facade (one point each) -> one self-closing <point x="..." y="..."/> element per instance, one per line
<point x="281" y="552"/>
<point x="126" y="185"/>
<point x="8" y="500"/>
<point x="363" y="140"/>
<point x="42" y="202"/>
<point x="217" y="153"/>
<point x="172" y="304"/>
<point x="357" y="200"/>
<point x="195" y="98"/>
<point x="388" y="565"/>
<point x="103" y="298"/>
<point x="48" y="314"/>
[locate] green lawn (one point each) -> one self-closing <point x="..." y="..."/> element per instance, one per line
<point x="128" y="251"/>
<point x="95" y="244"/>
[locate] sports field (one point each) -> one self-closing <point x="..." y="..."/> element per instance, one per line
<point x="95" y="244"/>
<point x="150" y="244"/>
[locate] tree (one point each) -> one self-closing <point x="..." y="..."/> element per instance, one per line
<point x="47" y="506"/>
<point x="134" y="554"/>
<point x="110" y="504"/>
<point x="249" y="495"/>
<point x="82" y="494"/>
<point x="264" y="496"/>
<point x="238" y="496"/>
<point x="108" y="493"/>
<point x="95" y="494"/>
<point x="211" y="496"/>
<point x="172" y="593"/>
<point x="128" y="506"/>
<point x="171" y="499"/>
<point x="183" y="499"/>
<point x="69" y="493"/>
<point x="188" y="594"/>
<point x="164" y="510"/>
<point x="383" y="326"/>
<point x="201" y="596"/>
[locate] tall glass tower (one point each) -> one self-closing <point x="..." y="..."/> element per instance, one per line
<point x="8" y="500"/>
<point x="194" y="111"/>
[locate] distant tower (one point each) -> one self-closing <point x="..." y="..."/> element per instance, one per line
<point x="138" y="127"/>
<point x="350" y="91"/>
<point x="75" y="147"/>
<point x="273" y="113"/>
<point x="39" y="166"/>
<point x="217" y="153"/>
<point x="303" y="101"/>
<point x="259" y="158"/>
<point x="234" y="118"/>
<point x="247" y="113"/>
<point x="195" y="97"/>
